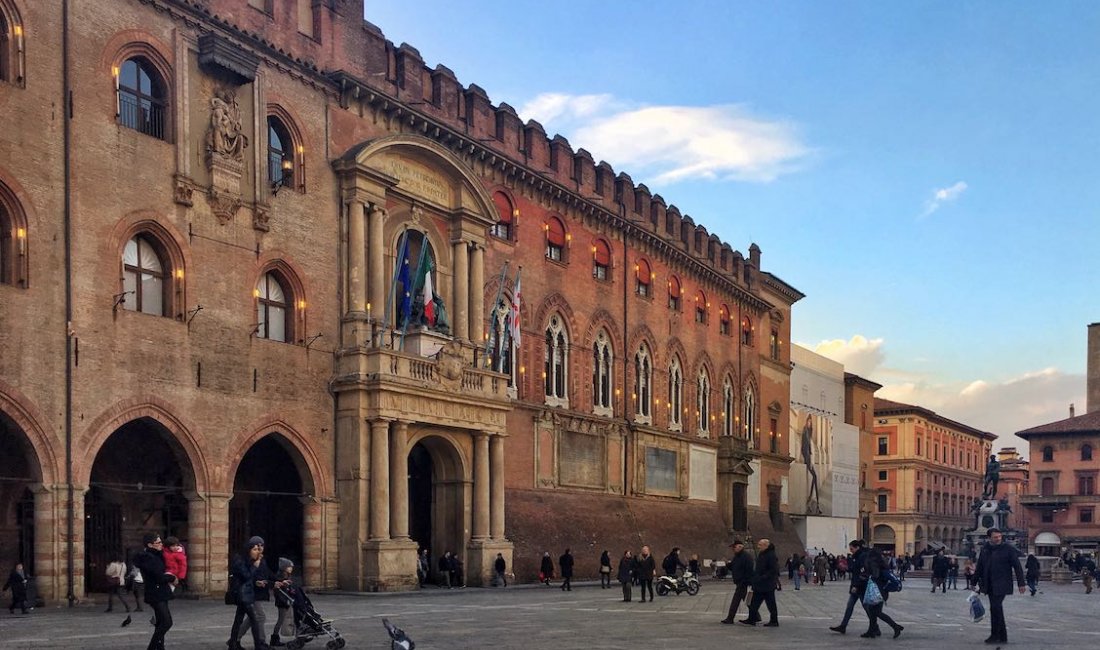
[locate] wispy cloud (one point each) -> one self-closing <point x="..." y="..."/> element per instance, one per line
<point x="941" y="196"/>
<point x="674" y="143"/>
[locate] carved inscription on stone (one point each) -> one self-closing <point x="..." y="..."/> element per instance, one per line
<point x="581" y="459"/>
<point x="662" y="470"/>
<point x="418" y="180"/>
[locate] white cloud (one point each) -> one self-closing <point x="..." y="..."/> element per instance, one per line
<point x="860" y="355"/>
<point x="674" y="143"/>
<point x="943" y="195"/>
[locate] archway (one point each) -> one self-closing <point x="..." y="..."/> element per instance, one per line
<point x="437" y="498"/>
<point x="919" y="542"/>
<point x="19" y="470"/>
<point x="883" y="538"/>
<point x="139" y="481"/>
<point x="270" y="489"/>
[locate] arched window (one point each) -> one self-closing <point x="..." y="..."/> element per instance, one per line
<point x="145" y="278"/>
<point x="280" y="154"/>
<point x="746" y="331"/>
<point x="773" y="344"/>
<point x="675" y="394"/>
<point x="643" y="383"/>
<point x="674" y="292"/>
<point x="6" y="39"/>
<point x="274" y="308"/>
<point x="13" y="242"/>
<point x="502" y="344"/>
<point x="644" y="276"/>
<point x="556" y="360"/>
<point x="11" y="45"/>
<point x="1086" y="452"/>
<point x="701" y="307"/>
<point x="1048" y="454"/>
<point x="728" y="414"/>
<point x="702" y="401"/>
<point x="748" y="415"/>
<point x="602" y="382"/>
<point x="601" y="260"/>
<point x="724" y="327"/>
<point x="506" y="214"/>
<point x="555" y="239"/>
<point x="142" y="98"/>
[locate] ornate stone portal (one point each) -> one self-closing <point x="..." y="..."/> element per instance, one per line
<point x="225" y="147"/>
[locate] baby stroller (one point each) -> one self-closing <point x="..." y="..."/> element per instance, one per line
<point x="309" y="625"/>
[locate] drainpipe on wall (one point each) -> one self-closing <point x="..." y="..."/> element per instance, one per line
<point x="67" y="108"/>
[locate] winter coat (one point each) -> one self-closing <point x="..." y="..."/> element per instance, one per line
<point x="671" y="563"/>
<point x="858" y="580"/>
<point x="875" y="569"/>
<point x="157" y="580"/>
<point x="17" y="582"/>
<point x="646" y="567"/>
<point x="821" y="565"/>
<point x="565" y="563"/>
<point x="940" y="564"/>
<point x="605" y="561"/>
<point x="176" y="563"/>
<point x="626" y="570"/>
<point x="547" y="566"/>
<point x="996" y="566"/>
<point x="499" y="565"/>
<point x="1031" y="568"/>
<point x="741" y="567"/>
<point x="766" y="572"/>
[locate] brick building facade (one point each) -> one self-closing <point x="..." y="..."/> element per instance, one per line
<point x="204" y="205"/>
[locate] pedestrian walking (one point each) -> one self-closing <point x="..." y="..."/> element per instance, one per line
<point x="158" y="590"/>
<point x="857" y="583"/>
<point x="500" y="568"/>
<point x="740" y="568"/>
<point x="137" y="585"/>
<point x="996" y="566"/>
<point x="875" y="569"/>
<point x="1031" y="573"/>
<point x="764" y="578"/>
<point x="940" y="564"/>
<point x="251" y="582"/>
<point x="626" y="574"/>
<point x="546" y="569"/>
<point x="116" y="576"/>
<point x="445" y="570"/>
<point x="17" y="583"/>
<point x="423" y="567"/>
<point x="1088" y="572"/>
<point x="284" y="605"/>
<point x="646" y="570"/>
<point x="565" y="565"/>
<point x="821" y="568"/>
<point x="953" y="574"/>
<point x="693" y="564"/>
<point x="605" y="570"/>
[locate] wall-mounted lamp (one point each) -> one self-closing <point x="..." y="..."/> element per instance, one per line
<point x="286" y="178"/>
<point x="21" y="237"/>
<point x="119" y="299"/>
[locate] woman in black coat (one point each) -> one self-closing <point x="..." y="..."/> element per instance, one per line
<point x="158" y="587"/>
<point x="1031" y="573"/>
<point x="17" y="582"/>
<point x="626" y="575"/>
<point x="874" y="570"/>
<point x="546" y="569"/>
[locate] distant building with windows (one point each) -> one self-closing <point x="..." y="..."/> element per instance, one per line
<point x="926" y="472"/>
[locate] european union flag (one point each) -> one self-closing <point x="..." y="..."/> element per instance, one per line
<point x="404" y="303"/>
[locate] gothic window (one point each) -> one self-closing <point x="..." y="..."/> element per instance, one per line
<point x="11" y="44"/>
<point x="13" y="244"/>
<point x="643" y="384"/>
<point x="702" y="401"/>
<point x="504" y="228"/>
<point x="601" y="260"/>
<point x="724" y="327"/>
<point x="727" y="408"/>
<point x="748" y="415"/>
<point x="556" y="363"/>
<point x="602" y="383"/>
<point x="675" y="394"/>
<point x="274" y="306"/>
<point x="142" y="98"/>
<point x="555" y="240"/>
<point x="502" y="345"/>
<point x="701" y="307"/>
<point x="644" y="276"/>
<point x="674" y="291"/>
<point x="746" y="331"/>
<point x="145" y="279"/>
<point x="285" y="164"/>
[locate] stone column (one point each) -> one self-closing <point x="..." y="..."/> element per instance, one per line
<point x="217" y="506"/>
<point x="357" y="258"/>
<point x="481" y="486"/>
<point x="49" y="557"/>
<point x="477" y="295"/>
<point x="496" y="487"/>
<point x="198" y="549"/>
<point x="399" y="480"/>
<point x="379" y="480"/>
<point x="377" y="261"/>
<point x="461" y="299"/>
<point x="313" y="541"/>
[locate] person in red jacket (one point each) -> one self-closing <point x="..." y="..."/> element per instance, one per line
<point x="175" y="559"/>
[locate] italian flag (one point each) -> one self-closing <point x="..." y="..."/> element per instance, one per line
<point x="427" y="294"/>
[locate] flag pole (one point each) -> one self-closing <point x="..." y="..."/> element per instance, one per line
<point x="492" y="317"/>
<point x="419" y="264"/>
<point x="402" y="253"/>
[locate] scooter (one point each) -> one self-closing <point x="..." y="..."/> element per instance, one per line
<point x="668" y="584"/>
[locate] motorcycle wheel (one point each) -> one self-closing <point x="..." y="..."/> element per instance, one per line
<point x="662" y="589"/>
<point x="692" y="587"/>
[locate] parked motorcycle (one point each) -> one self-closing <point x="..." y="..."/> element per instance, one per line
<point x="686" y="582"/>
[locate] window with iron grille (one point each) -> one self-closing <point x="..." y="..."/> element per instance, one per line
<point x="142" y="98"/>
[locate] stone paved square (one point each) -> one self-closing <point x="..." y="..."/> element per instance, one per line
<point x="544" y="618"/>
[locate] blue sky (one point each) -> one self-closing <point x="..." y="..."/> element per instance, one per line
<point x="926" y="172"/>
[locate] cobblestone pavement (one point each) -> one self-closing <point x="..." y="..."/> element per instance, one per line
<point x="537" y="618"/>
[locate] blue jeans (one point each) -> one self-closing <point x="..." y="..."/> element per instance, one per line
<point x="852" y="600"/>
<point x="1033" y="585"/>
<point x="797" y="580"/>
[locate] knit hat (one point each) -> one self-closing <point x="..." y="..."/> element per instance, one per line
<point x="285" y="564"/>
<point x="255" y="540"/>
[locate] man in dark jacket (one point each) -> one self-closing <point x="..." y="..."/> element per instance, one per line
<point x="764" y="579"/>
<point x="996" y="566"/>
<point x="1031" y="573"/>
<point x="940" y="566"/>
<point x="565" y="565"/>
<point x="645" y="568"/>
<point x="253" y="583"/>
<point x="158" y="587"/>
<point x="858" y="582"/>
<point x="740" y="568"/>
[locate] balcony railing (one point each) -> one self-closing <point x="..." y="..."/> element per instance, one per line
<point x="390" y="365"/>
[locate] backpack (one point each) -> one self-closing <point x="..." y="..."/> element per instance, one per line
<point x="893" y="582"/>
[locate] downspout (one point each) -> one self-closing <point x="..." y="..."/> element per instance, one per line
<point x="628" y="458"/>
<point x="70" y="515"/>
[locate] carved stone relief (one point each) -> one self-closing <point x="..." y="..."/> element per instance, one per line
<point x="225" y="145"/>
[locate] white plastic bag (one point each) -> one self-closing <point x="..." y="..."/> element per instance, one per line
<point x="975" y="607"/>
<point x="872" y="596"/>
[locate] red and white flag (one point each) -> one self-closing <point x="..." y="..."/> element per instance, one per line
<point x="515" y="310"/>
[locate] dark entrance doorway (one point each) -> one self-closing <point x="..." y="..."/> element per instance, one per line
<point x="137" y="485"/>
<point x="268" y="494"/>
<point x="740" y="507"/>
<point x="18" y="470"/>
<point x="438" y="500"/>
<point x="420" y="496"/>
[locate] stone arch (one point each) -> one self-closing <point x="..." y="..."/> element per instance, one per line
<point x="28" y="418"/>
<point x="182" y="431"/>
<point x="676" y="348"/>
<point x="440" y="510"/>
<point x="292" y="124"/>
<point x="132" y="43"/>
<point x="557" y="302"/>
<point x="703" y="360"/>
<point x="883" y="534"/>
<point x="295" y="284"/>
<point x="315" y="481"/>
<point x="453" y="458"/>
<point x="919" y="541"/>
<point x="642" y="334"/>
<point x="603" y="319"/>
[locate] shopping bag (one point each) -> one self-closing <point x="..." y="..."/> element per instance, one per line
<point x="872" y="596"/>
<point x="977" y="609"/>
